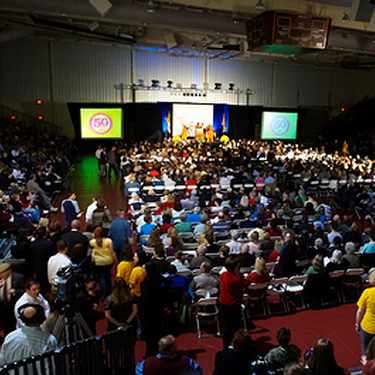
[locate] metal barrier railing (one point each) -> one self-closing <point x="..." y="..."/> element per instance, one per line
<point x="111" y="353"/>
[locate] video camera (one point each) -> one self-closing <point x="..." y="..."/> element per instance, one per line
<point x="66" y="283"/>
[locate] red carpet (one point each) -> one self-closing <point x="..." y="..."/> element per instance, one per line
<point x="336" y="323"/>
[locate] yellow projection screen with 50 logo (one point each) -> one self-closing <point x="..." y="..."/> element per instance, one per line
<point x="101" y="123"/>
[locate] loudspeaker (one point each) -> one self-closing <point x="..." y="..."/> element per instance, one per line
<point x="361" y="10"/>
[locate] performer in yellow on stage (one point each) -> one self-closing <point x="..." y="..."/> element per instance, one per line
<point x="210" y="134"/>
<point x="224" y="124"/>
<point x="199" y="133"/>
<point x="184" y="133"/>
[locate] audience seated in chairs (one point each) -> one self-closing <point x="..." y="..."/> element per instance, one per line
<point x="199" y="257"/>
<point x="205" y="283"/>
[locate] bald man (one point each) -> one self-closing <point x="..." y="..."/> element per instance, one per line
<point x="168" y="361"/>
<point x="30" y="339"/>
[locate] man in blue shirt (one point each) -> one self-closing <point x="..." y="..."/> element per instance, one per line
<point x="147" y="227"/>
<point x="194" y="217"/>
<point x="120" y="232"/>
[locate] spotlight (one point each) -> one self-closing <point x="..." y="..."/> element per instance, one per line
<point x="93" y="26"/>
<point x="231" y="87"/>
<point x="155" y="83"/>
<point x="151" y="7"/>
<point x="40" y="117"/>
<point x="259" y="5"/>
<point x="342" y="109"/>
<point x="218" y="86"/>
<point x="169" y="84"/>
<point x="345" y="17"/>
<point x="39" y="101"/>
<point x="13" y="117"/>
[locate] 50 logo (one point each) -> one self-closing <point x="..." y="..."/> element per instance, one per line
<point x="100" y="123"/>
<point x="280" y="125"/>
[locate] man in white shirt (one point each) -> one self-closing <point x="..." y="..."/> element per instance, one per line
<point x="90" y="209"/>
<point x="33" y="296"/>
<point x="98" y="152"/>
<point x="58" y="261"/>
<point x="263" y="199"/>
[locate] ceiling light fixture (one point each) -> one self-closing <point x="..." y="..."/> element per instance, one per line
<point x="151" y="7"/>
<point x="259" y="5"/>
<point x="345" y="17"/>
<point x="93" y="26"/>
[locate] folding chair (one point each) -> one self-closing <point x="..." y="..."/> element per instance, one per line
<point x="277" y="287"/>
<point x="295" y="285"/>
<point x="258" y="293"/>
<point x="335" y="284"/>
<point x="207" y="308"/>
<point x="353" y="279"/>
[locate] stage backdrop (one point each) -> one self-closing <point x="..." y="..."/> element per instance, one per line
<point x="142" y="121"/>
<point x="216" y="115"/>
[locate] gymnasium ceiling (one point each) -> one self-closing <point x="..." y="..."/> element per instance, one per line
<point x="214" y="28"/>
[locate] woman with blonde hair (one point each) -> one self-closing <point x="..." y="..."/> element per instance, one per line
<point x="317" y="265"/>
<point x="260" y="273"/>
<point x="103" y="257"/>
<point x="254" y="244"/>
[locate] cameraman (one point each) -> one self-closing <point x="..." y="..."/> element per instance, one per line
<point x="60" y="260"/>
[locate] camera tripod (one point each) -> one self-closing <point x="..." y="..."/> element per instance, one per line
<point x="70" y="326"/>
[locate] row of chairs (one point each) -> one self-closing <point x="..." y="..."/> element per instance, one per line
<point x="264" y="293"/>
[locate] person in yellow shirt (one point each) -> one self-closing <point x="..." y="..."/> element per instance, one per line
<point x="365" y="316"/>
<point x="103" y="256"/>
<point x="184" y="133"/>
<point x="126" y="265"/>
<point x="138" y="273"/>
<point x="210" y="133"/>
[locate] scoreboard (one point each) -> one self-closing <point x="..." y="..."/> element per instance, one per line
<point x="273" y="30"/>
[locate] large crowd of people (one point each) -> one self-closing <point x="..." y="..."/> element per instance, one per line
<point x="203" y="220"/>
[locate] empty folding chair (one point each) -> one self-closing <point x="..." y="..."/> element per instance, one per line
<point x="335" y="283"/>
<point x="257" y="293"/>
<point x="295" y="285"/>
<point x="277" y="287"/>
<point x="353" y="279"/>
